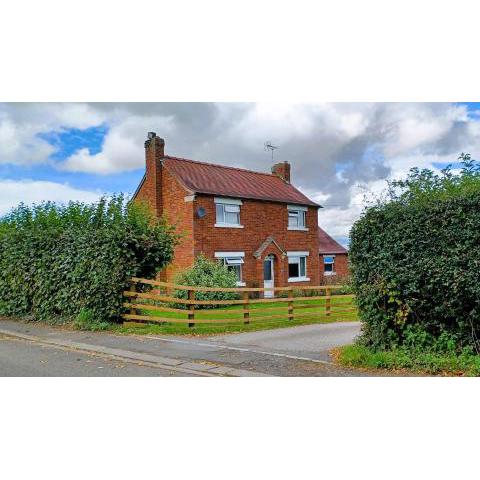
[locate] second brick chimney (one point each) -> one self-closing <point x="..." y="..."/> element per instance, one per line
<point x="154" y="153"/>
<point x="282" y="170"/>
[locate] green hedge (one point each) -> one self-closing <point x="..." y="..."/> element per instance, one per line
<point x="57" y="261"/>
<point x="415" y="261"/>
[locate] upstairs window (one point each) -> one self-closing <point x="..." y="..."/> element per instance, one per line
<point x="297" y="266"/>
<point x="297" y="217"/>
<point x="329" y="265"/>
<point x="227" y="212"/>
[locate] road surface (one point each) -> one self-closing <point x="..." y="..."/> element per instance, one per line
<point x="20" y="358"/>
<point x="29" y="349"/>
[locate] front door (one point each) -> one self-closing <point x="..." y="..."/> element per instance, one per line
<point x="268" y="276"/>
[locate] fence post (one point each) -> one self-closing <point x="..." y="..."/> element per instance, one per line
<point x="328" y="306"/>
<point x="133" y="288"/>
<point x="191" y="308"/>
<point x="290" y="304"/>
<point x="246" y="312"/>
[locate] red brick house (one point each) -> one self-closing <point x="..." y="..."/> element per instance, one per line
<point x="257" y="224"/>
<point x="333" y="258"/>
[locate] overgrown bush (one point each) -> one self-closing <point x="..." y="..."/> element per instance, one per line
<point x="58" y="261"/>
<point x="207" y="273"/>
<point x="415" y="262"/>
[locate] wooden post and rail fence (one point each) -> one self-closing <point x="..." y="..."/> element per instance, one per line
<point x="160" y="305"/>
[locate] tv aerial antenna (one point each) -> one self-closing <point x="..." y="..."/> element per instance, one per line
<point x="269" y="147"/>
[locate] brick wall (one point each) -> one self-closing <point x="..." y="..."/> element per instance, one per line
<point x="341" y="268"/>
<point x="260" y="220"/>
<point x="148" y="192"/>
<point x="179" y="213"/>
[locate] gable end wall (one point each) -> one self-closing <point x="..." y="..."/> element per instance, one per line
<point x="167" y="195"/>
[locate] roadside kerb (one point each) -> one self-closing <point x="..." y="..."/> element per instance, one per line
<point x="207" y="370"/>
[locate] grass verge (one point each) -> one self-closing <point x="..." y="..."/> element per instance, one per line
<point x="216" y="329"/>
<point x="420" y="362"/>
<point x="235" y="317"/>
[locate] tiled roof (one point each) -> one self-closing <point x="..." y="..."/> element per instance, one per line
<point x="208" y="178"/>
<point x="328" y="244"/>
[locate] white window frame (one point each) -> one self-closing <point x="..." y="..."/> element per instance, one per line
<point x="301" y="213"/>
<point x="294" y="256"/>
<point x="333" y="272"/>
<point x="238" y="257"/>
<point x="227" y="202"/>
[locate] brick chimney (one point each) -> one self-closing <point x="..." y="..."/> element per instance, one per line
<point x="154" y="153"/>
<point x="282" y="170"/>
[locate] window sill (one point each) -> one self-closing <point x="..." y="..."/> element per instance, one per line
<point x="329" y="274"/>
<point x="227" y="225"/>
<point x="298" y="229"/>
<point x="241" y="284"/>
<point x="298" y="279"/>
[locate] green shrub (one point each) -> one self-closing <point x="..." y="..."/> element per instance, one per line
<point x="86" y="321"/>
<point x="207" y="273"/>
<point x="415" y="262"/>
<point x="56" y="261"/>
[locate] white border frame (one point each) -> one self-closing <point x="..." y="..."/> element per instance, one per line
<point x="227" y="201"/>
<point x="229" y="254"/>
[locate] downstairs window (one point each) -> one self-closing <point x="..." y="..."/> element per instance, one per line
<point x="297" y="267"/>
<point x="329" y="265"/>
<point x="232" y="262"/>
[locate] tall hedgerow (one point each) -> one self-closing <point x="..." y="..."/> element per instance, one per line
<point x="59" y="260"/>
<point x="415" y="260"/>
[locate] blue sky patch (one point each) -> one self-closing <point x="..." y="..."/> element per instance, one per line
<point x="66" y="143"/>
<point x="125" y="182"/>
<point x="69" y="141"/>
<point x="473" y="109"/>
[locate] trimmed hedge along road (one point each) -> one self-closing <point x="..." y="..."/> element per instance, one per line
<point x="415" y="261"/>
<point x="64" y="263"/>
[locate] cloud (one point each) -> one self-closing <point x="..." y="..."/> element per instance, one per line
<point x="122" y="149"/>
<point x="336" y="149"/>
<point x="28" y="191"/>
<point x="21" y="124"/>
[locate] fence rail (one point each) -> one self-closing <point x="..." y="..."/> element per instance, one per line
<point x="155" y="301"/>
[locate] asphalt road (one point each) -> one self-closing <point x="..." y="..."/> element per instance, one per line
<point x="296" y="351"/>
<point x="307" y="341"/>
<point x="19" y="358"/>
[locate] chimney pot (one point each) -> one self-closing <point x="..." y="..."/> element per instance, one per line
<point x="154" y="154"/>
<point x="282" y="170"/>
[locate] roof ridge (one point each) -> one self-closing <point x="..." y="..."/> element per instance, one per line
<point x="225" y="166"/>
